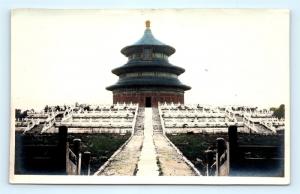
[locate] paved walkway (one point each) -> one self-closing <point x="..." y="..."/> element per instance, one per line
<point x="171" y="162"/>
<point x="147" y="165"/>
<point x="148" y="153"/>
<point x="125" y="162"/>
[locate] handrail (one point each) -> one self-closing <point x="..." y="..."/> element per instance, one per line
<point x="134" y="119"/>
<point x="161" y="120"/>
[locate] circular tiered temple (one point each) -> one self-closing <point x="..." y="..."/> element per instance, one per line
<point x="148" y="77"/>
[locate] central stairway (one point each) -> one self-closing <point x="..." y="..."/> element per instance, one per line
<point x="148" y="152"/>
<point x="147" y="165"/>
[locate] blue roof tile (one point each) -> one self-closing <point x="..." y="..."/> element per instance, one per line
<point x="148" y="39"/>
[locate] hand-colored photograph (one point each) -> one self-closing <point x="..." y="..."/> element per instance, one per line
<point x="150" y="96"/>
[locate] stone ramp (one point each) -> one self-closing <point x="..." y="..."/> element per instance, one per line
<point x="148" y="152"/>
<point x="171" y="160"/>
<point x="124" y="161"/>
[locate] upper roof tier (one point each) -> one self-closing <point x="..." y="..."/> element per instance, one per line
<point x="148" y="40"/>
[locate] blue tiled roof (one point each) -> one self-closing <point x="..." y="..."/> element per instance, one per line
<point x="147" y="81"/>
<point x="148" y="39"/>
<point x="140" y="64"/>
<point x="153" y="65"/>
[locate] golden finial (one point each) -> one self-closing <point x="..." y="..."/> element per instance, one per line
<point x="148" y="24"/>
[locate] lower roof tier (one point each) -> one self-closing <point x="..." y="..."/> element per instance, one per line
<point x="148" y="82"/>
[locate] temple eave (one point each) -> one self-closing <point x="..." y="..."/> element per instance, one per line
<point x="137" y="86"/>
<point x="128" y="50"/>
<point x="138" y="68"/>
<point x="148" y="78"/>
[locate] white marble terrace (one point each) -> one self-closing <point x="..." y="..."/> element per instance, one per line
<point x="179" y="118"/>
<point x="117" y="118"/>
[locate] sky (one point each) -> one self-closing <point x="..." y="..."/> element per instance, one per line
<point x="231" y="56"/>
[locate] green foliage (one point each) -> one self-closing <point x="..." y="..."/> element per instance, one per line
<point x="101" y="146"/>
<point x="279" y="112"/>
<point x="19" y="114"/>
<point x="193" y="146"/>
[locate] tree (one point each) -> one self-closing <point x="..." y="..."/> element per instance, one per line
<point x="18" y="113"/>
<point x="24" y="114"/>
<point x="46" y="108"/>
<point x="279" y="112"/>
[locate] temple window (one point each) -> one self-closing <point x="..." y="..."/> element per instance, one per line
<point x="147" y="54"/>
<point x="160" y="56"/>
<point x="156" y="74"/>
<point x="134" y="56"/>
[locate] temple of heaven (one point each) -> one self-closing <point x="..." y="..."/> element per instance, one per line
<point x="148" y="77"/>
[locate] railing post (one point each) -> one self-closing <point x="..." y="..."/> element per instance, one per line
<point x="221" y="148"/>
<point x="62" y="149"/>
<point x="233" y="146"/>
<point x="86" y="163"/>
<point x="209" y="157"/>
<point x="77" y="148"/>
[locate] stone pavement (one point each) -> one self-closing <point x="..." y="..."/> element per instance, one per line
<point x="148" y="152"/>
<point x="171" y="162"/>
<point x="147" y="165"/>
<point x="124" y="163"/>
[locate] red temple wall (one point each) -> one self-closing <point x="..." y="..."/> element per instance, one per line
<point x="140" y="97"/>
